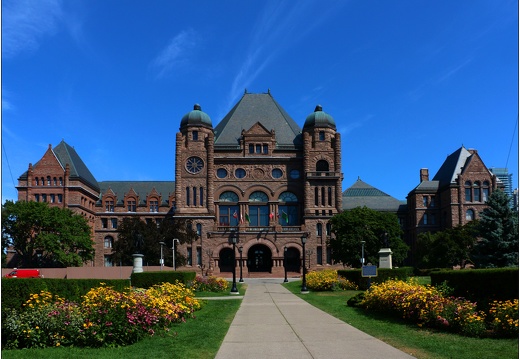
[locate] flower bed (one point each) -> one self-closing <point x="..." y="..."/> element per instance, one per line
<point x="427" y="306"/>
<point x="105" y="317"/>
<point x="328" y="279"/>
<point x="209" y="284"/>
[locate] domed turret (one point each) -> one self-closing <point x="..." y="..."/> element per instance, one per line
<point x="196" y="118"/>
<point x="319" y="119"/>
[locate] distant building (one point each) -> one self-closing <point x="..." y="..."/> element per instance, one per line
<point x="455" y="195"/>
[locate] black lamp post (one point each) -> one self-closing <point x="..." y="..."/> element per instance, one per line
<point x="285" y="263"/>
<point x="304" y="281"/>
<point x="240" y="251"/>
<point x="362" y="253"/>
<point x="234" y="289"/>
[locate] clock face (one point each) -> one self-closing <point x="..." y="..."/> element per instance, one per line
<point x="194" y="164"/>
<point x="295" y="174"/>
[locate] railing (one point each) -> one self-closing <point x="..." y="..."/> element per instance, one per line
<point x="323" y="174"/>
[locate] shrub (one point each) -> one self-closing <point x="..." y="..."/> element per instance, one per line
<point x="105" y="317"/>
<point x="328" y="280"/>
<point x="503" y="317"/>
<point x="209" y="284"/>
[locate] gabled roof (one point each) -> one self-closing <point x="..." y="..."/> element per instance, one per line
<point x="452" y="166"/>
<point x="67" y="154"/>
<point x="253" y="108"/>
<point x="361" y="194"/>
<point x="141" y="188"/>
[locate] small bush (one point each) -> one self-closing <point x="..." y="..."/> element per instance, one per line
<point x="328" y="279"/>
<point x="209" y="284"/>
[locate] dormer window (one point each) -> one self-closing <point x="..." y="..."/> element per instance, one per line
<point x="131" y="205"/>
<point x="154" y="206"/>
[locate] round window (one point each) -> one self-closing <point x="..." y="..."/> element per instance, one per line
<point x="221" y="173"/>
<point x="194" y="164"/>
<point x="240" y="173"/>
<point x="277" y="173"/>
<point x="295" y="174"/>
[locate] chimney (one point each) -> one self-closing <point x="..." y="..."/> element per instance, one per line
<point x="425" y="175"/>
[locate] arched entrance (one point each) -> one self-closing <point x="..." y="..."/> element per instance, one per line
<point x="259" y="259"/>
<point x="225" y="262"/>
<point x="293" y="260"/>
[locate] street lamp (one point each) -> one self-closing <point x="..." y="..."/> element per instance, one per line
<point x="362" y="253"/>
<point x="240" y="251"/>
<point x="173" y="252"/>
<point x="234" y="289"/>
<point x="161" y="262"/>
<point x="304" y="281"/>
<point x="285" y="263"/>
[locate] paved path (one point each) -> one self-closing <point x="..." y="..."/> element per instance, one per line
<point x="274" y="323"/>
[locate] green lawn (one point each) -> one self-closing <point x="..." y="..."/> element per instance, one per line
<point x="421" y="343"/>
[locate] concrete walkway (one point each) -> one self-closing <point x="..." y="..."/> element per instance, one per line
<point x="274" y="323"/>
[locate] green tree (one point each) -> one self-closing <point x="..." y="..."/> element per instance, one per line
<point x="133" y="230"/>
<point x="364" y="224"/>
<point x="446" y="248"/>
<point x="498" y="233"/>
<point x="44" y="236"/>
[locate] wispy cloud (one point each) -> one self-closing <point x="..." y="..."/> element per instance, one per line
<point x="452" y="71"/>
<point x="175" y="53"/>
<point x="280" y="25"/>
<point x="26" y="22"/>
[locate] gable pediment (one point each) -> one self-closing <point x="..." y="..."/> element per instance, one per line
<point x="258" y="130"/>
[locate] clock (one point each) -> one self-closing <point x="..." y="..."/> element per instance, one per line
<point x="194" y="165"/>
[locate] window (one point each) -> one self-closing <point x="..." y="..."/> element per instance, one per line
<point x="251" y="148"/>
<point x="322" y="196"/>
<point x="60" y="198"/>
<point x="195" y="135"/>
<point x="228" y="209"/>
<point x="476" y="192"/>
<point x="266" y="149"/>
<point x="48" y="180"/>
<point x="295" y="174"/>
<point x="44" y="198"/>
<point x="425" y="201"/>
<point x="194" y="196"/>
<point x="104" y="223"/>
<point x="432" y="201"/>
<point x="277" y="173"/>
<point x="199" y="229"/>
<point x="61" y="181"/>
<point x="36" y="181"/>
<point x="319" y="255"/>
<point x="109" y="206"/>
<point x="154" y="206"/>
<point x="319" y="229"/>
<point x="187" y="196"/>
<point x="288" y="212"/>
<point x="201" y="196"/>
<point x="316" y="196"/>
<point x="194" y="165"/>
<point x="52" y="198"/>
<point x="109" y="242"/>
<point x="114" y="222"/>
<point x="328" y="229"/>
<point x="467" y="191"/>
<point x="240" y="173"/>
<point x="258" y="148"/>
<point x="470" y="215"/>
<point x="131" y="206"/>
<point x="37" y="198"/>
<point x="108" y="261"/>
<point x="189" y="254"/>
<point x="199" y="256"/>
<point x="258" y="209"/>
<point x="321" y="136"/>
<point x="222" y="173"/>
<point x="54" y="181"/>
<point x="329" y="190"/>
<point x="485" y="191"/>
<point x="425" y="218"/>
<point x="322" y="166"/>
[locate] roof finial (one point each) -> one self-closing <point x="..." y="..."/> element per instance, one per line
<point x="245" y="91"/>
<point x="268" y="91"/>
<point x="318" y="108"/>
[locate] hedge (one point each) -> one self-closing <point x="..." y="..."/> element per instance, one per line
<point x="16" y="291"/>
<point x="383" y="274"/>
<point x="149" y="279"/>
<point x="480" y="284"/>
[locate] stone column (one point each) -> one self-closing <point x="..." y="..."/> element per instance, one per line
<point x="385" y="258"/>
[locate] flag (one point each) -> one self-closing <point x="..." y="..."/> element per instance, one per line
<point x="235" y="215"/>
<point x="285" y="216"/>
<point x="271" y="215"/>
<point x="247" y="218"/>
<point x="241" y="218"/>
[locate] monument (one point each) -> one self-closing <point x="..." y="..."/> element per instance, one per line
<point x="138" y="257"/>
<point x="385" y="254"/>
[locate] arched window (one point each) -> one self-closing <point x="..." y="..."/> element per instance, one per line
<point x="109" y="242"/>
<point x="54" y="181"/>
<point x="319" y="229"/>
<point x="258" y="209"/>
<point x="48" y="180"/>
<point x="470" y="215"/>
<point x="467" y="191"/>
<point x="476" y="192"/>
<point x="288" y="212"/>
<point x="37" y="182"/>
<point x="228" y="210"/>
<point x="322" y="166"/>
<point x="199" y="229"/>
<point x="316" y="196"/>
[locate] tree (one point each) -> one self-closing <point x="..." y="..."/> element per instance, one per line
<point x="44" y="236"/>
<point x="151" y="236"/>
<point x="446" y="248"/>
<point x="364" y="224"/>
<point x="498" y="233"/>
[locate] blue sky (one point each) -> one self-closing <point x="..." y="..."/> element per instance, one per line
<point x="407" y="82"/>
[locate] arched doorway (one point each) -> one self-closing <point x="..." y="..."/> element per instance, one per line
<point x="259" y="259"/>
<point x="293" y="260"/>
<point x="225" y="262"/>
